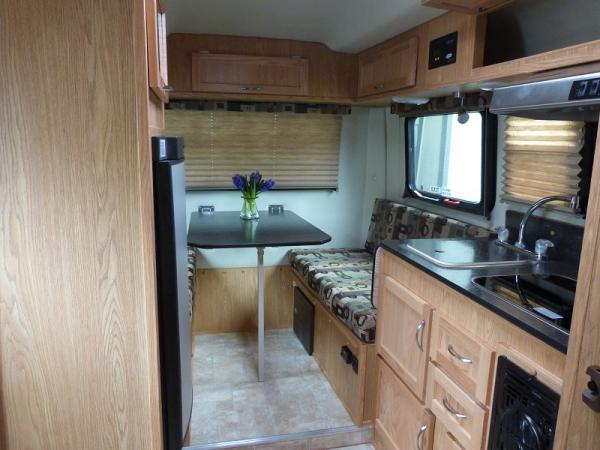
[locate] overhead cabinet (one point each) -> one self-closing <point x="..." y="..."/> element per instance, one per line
<point x="388" y="67"/>
<point x="156" y="33"/>
<point x="249" y="74"/>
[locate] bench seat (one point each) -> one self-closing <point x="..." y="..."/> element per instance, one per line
<point x="342" y="277"/>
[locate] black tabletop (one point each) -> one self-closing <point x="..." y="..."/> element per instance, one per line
<point x="226" y="230"/>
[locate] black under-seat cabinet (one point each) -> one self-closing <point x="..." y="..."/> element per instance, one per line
<point x="304" y="320"/>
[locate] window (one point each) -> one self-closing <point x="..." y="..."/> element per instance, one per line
<point x="452" y="162"/>
<point x="299" y="151"/>
<point x="542" y="157"/>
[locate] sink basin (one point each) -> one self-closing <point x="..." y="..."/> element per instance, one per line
<point x="467" y="253"/>
<point x="549" y="297"/>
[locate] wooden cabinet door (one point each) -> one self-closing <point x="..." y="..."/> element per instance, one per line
<point x="371" y="75"/>
<point x="388" y="68"/>
<point x="403" y="330"/>
<point x="402" y="421"/>
<point x="249" y="74"/>
<point x="156" y="38"/>
<point x="401" y="65"/>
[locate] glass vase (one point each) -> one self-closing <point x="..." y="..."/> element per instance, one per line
<point x="249" y="209"/>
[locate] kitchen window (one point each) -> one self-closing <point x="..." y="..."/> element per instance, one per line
<point x="451" y="160"/>
<point x="297" y="150"/>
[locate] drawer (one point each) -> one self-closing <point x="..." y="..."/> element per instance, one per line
<point x="443" y="439"/>
<point x="464" y="357"/>
<point x="459" y="413"/>
<point x="402" y="420"/>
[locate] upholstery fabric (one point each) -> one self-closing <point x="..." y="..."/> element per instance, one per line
<point x="392" y="220"/>
<point x="342" y="277"/>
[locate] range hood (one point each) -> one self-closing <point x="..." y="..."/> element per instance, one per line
<point x="569" y="98"/>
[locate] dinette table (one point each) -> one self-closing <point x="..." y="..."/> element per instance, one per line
<point x="225" y="229"/>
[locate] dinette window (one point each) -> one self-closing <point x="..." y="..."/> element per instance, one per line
<point x="298" y="150"/>
<point x="451" y="160"/>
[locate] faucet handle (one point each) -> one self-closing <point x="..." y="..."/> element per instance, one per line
<point x="542" y="246"/>
<point x="503" y="234"/>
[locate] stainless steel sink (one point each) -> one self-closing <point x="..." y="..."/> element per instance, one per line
<point x="467" y="253"/>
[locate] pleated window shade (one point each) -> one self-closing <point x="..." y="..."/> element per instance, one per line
<point x="298" y="151"/>
<point x="542" y="158"/>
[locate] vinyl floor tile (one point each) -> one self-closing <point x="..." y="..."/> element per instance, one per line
<point x="229" y="403"/>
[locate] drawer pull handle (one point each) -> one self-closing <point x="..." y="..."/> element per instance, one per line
<point x="421" y="436"/>
<point x="419" y="334"/>
<point x="458" y="356"/>
<point x="452" y="411"/>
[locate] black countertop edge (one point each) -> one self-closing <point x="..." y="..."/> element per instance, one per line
<point x="460" y="280"/>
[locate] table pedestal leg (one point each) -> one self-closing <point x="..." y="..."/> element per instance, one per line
<point x="261" y="314"/>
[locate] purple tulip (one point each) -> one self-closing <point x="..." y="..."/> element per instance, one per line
<point x="238" y="182"/>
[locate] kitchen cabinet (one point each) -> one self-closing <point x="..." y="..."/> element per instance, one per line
<point x="410" y="426"/>
<point x="388" y="67"/>
<point x="156" y="37"/>
<point x="249" y="74"/>
<point x="467" y="6"/>
<point x="404" y="325"/>
<point x="456" y="366"/>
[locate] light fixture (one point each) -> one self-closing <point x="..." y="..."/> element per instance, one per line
<point x="410" y="100"/>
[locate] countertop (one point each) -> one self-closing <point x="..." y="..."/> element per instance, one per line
<point x="460" y="280"/>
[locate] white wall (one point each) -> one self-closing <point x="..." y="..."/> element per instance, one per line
<point x="338" y="213"/>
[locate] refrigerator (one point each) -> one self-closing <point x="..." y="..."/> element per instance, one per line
<point x="174" y="304"/>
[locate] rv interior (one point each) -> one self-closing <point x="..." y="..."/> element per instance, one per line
<point x="263" y="224"/>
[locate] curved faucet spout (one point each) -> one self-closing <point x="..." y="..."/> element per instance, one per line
<point x="572" y="201"/>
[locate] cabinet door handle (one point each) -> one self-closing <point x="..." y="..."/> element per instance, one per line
<point x="458" y="356"/>
<point x="246" y="88"/>
<point x="419" y="334"/>
<point x="379" y="87"/>
<point x="421" y="436"/>
<point x="452" y="411"/>
<point x="168" y="88"/>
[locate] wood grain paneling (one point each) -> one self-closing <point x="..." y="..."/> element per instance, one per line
<point x="79" y="353"/>
<point x="578" y="426"/>
<point x="352" y="388"/>
<point x="331" y="75"/>
<point x="226" y="299"/>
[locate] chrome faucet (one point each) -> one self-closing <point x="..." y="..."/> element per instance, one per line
<point x="542" y="245"/>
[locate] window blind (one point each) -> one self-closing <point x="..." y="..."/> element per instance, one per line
<point x="542" y="158"/>
<point x="296" y="150"/>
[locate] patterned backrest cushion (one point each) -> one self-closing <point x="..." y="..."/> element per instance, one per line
<point x="392" y="220"/>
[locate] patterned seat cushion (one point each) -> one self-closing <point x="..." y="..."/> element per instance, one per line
<point x="392" y="220"/>
<point x="341" y="277"/>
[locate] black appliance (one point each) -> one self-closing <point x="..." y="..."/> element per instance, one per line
<point x="304" y="320"/>
<point x="442" y="51"/>
<point x="549" y="298"/>
<point x="174" y="314"/>
<point x="524" y="410"/>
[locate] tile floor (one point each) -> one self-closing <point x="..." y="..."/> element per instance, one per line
<point x="229" y="404"/>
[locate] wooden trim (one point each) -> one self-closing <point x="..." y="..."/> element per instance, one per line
<point x="225" y="299"/>
<point x="578" y="426"/>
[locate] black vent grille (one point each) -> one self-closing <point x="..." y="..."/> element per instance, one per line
<point x="524" y="410"/>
